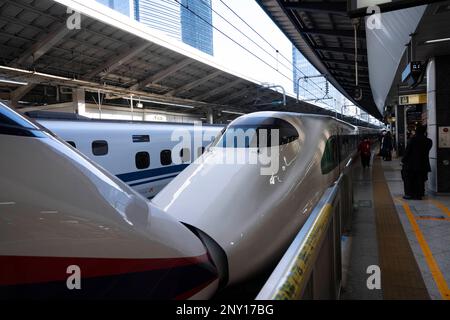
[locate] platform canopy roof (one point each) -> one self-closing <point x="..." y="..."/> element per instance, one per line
<point x="119" y="58"/>
<point x="324" y="33"/>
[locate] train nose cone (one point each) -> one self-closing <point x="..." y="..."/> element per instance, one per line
<point x="209" y="195"/>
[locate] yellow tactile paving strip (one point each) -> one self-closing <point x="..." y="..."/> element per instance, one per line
<point x="400" y="274"/>
<point x="436" y="272"/>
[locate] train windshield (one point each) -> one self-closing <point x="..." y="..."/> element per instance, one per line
<point x="257" y="132"/>
<point x="11" y="123"/>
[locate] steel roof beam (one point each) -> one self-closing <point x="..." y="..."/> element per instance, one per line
<point x="217" y="90"/>
<point x="194" y="84"/>
<point x="41" y="47"/>
<point x="363" y="73"/>
<point x="351" y="79"/>
<point x="361" y="64"/>
<point x="330" y="7"/>
<point x="361" y="52"/>
<point x="229" y="98"/>
<point x="34" y="53"/>
<point x="163" y="73"/>
<point x="333" y="32"/>
<point x="352" y="85"/>
<point x="116" y="61"/>
<point x="20" y="92"/>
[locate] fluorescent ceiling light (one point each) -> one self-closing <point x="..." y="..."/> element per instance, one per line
<point x="232" y="112"/>
<point x="14" y="82"/>
<point x="163" y="103"/>
<point x="437" y="40"/>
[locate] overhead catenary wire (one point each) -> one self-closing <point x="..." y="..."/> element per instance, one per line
<point x="277" y="52"/>
<point x="239" y="44"/>
<point x="265" y="40"/>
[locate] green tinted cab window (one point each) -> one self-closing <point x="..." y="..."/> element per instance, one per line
<point x="330" y="158"/>
<point x="246" y="133"/>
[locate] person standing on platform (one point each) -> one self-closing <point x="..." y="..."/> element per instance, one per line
<point x="416" y="164"/>
<point x="364" y="152"/>
<point x="386" y="147"/>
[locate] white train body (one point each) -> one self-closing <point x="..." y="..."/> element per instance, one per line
<point x="121" y="145"/>
<point x="68" y="228"/>
<point x="254" y="217"/>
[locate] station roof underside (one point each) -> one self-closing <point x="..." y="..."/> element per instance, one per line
<point x="37" y="48"/>
<point x="324" y="33"/>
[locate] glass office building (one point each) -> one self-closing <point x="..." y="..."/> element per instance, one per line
<point x="314" y="88"/>
<point x="122" y="6"/>
<point x="196" y="24"/>
<point x="161" y="15"/>
<point x="189" y="21"/>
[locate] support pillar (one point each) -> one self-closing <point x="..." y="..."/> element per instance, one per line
<point x="438" y="122"/>
<point x="400" y="134"/>
<point x="210" y="116"/>
<point x="79" y="101"/>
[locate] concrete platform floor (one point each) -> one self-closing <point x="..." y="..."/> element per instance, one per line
<point x="427" y="226"/>
<point x="408" y="239"/>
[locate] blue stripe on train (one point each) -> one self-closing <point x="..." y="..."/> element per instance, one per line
<point x="151" y="173"/>
<point x="153" y="180"/>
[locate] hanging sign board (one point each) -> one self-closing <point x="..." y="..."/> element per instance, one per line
<point x="412" y="99"/>
<point x="444" y="137"/>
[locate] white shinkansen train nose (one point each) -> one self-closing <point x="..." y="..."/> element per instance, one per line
<point x="250" y="213"/>
<point x="69" y="229"/>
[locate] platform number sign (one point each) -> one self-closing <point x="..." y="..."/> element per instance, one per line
<point x="404" y="100"/>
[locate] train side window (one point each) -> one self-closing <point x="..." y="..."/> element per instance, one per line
<point x="141" y="138"/>
<point x="330" y="157"/>
<point x="185" y="155"/>
<point x="72" y="144"/>
<point x="200" y="151"/>
<point x="246" y="133"/>
<point x="99" y="147"/>
<point x="166" y="157"/>
<point x="142" y="160"/>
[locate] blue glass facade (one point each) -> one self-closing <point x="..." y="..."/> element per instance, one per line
<point x="314" y="88"/>
<point x="196" y="24"/>
<point x="189" y="21"/>
<point x="161" y="15"/>
<point x="122" y="6"/>
<point x="302" y="67"/>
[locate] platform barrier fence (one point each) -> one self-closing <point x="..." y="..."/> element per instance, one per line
<point x="311" y="268"/>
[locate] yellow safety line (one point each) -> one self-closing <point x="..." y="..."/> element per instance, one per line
<point x="433" y="218"/>
<point x="441" y="206"/>
<point x="432" y="264"/>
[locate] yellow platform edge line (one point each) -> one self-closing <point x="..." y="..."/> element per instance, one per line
<point x="432" y="264"/>
<point x="433" y="218"/>
<point x="440" y="205"/>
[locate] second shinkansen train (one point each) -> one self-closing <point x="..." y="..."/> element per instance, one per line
<point x="253" y="210"/>
<point x="138" y="153"/>
<point x="248" y="216"/>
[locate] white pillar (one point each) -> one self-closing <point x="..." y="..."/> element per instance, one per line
<point x="431" y="123"/>
<point x="210" y="116"/>
<point x="79" y="101"/>
<point x="132" y="108"/>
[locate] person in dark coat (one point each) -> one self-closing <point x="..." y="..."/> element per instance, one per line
<point x="386" y="147"/>
<point x="416" y="164"/>
<point x="364" y="152"/>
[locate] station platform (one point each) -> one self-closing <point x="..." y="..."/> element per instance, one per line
<point x="409" y="240"/>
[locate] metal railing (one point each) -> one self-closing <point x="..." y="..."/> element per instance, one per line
<point x="311" y="268"/>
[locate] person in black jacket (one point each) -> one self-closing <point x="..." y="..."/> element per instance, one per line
<point x="416" y="164"/>
<point x="386" y="147"/>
